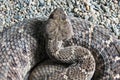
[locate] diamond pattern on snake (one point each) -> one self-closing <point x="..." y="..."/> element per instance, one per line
<point x="59" y="48"/>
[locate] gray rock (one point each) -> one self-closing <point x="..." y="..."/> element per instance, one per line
<point x="119" y="2"/>
<point x="1" y="28"/>
<point x="41" y="3"/>
<point x="95" y="11"/>
<point x="70" y="4"/>
<point x="103" y="8"/>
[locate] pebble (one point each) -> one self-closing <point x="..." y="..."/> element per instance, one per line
<point x="90" y="19"/>
<point x="1" y="28"/>
<point x="103" y="8"/>
<point x="87" y="7"/>
<point x="119" y="3"/>
<point x="103" y="12"/>
<point x="75" y="9"/>
<point x="1" y="22"/>
<point x="73" y="1"/>
<point x="70" y="4"/>
<point x="116" y="30"/>
<point x="49" y="2"/>
<point x="41" y="3"/>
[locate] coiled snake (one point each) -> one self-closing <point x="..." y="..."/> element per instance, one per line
<point x="59" y="48"/>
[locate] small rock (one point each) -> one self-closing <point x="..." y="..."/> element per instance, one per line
<point x="33" y="8"/>
<point x="27" y="2"/>
<point x="119" y="3"/>
<point x="16" y="16"/>
<point x="73" y="1"/>
<point x="8" y="20"/>
<point x="103" y="8"/>
<point x="1" y="28"/>
<point x="116" y="30"/>
<point x="87" y="7"/>
<point x="75" y="9"/>
<point x="1" y="0"/>
<point x="119" y="37"/>
<point x="69" y="4"/>
<point x="90" y="19"/>
<point x="49" y="2"/>
<point x="41" y="3"/>
<point x="115" y="1"/>
<point x="82" y="8"/>
<point x="95" y="7"/>
<point x="1" y="22"/>
<point x="78" y="2"/>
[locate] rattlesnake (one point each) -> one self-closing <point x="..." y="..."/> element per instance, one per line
<point x="29" y="49"/>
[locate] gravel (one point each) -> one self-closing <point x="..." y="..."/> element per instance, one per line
<point x="99" y="12"/>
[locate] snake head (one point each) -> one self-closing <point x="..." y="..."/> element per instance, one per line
<point x="59" y="26"/>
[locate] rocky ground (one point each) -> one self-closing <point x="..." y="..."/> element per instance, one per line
<point x="99" y="12"/>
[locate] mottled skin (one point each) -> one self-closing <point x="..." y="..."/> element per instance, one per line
<point x="20" y="49"/>
<point x="103" y="45"/>
<point x="59" y="30"/>
<point x="23" y="46"/>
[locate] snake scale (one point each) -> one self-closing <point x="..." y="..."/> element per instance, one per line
<point x="58" y="48"/>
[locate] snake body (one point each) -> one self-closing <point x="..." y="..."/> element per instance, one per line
<point x="20" y="50"/>
<point x="60" y="48"/>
